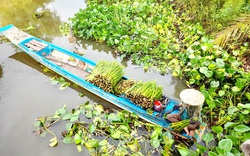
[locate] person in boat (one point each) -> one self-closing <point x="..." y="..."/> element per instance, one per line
<point x="189" y="108"/>
<point x="245" y="147"/>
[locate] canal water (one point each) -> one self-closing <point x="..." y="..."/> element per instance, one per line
<point x="25" y="90"/>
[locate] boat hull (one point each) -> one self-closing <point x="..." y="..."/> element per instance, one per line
<point x="42" y="51"/>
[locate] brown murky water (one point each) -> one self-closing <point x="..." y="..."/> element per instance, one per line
<point x="26" y="92"/>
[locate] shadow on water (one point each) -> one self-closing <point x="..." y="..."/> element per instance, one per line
<point x="29" y="61"/>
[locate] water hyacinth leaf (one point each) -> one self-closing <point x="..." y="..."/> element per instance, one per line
<point x="191" y="81"/>
<point x="209" y="74"/>
<point x="217" y="129"/>
<point x="176" y="72"/>
<point x="155" y="143"/>
<point x="241" y="128"/>
<point x="241" y="83"/>
<point x="99" y="109"/>
<point x="191" y="56"/>
<point x="69" y="126"/>
<point x="247" y="135"/>
<point x="229" y="124"/>
<point x="124" y="128"/>
<point x="220" y="62"/>
<point x="74" y="118"/>
<point x="212" y="66"/>
<point x="134" y="146"/>
<point x="77" y="139"/>
<point x="201" y="148"/>
<point x="46" y="70"/>
<point x="121" y="151"/>
<point x="62" y="87"/>
<point x="247" y="106"/>
<point x="54" y="82"/>
<point x="81" y="94"/>
<point x="37" y="123"/>
<point x="76" y="113"/>
<point x="207" y="137"/>
<point x="226" y="145"/>
<point x="66" y="116"/>
<point x="203" y="70"/>
<point x="247" y="94"/>
<point x="89" y="114"/>
<point x="229" y="154"/>
<point x="168" y="134"/>
<point x="236" y="64"/>
<point x="215" y="84"/>
<point x="79" y="148"/>
<point x="43" y="134"/>
<point x="204" y="47"/>
<point x="116" y="134"/>
<point x="221" y="93"/>
<point x="97" y="120"/>
<point x="235" y="89"/>
<point x="246" y="112"/>
<point x="91" y="144"/>
<point x="184" y="152"/>
<point x="210" y="153"/>
<point x="67" y="140"/>
<point x="103" y="142"/>
<point x="88" y="106"/>
<point x="114" y="117"/>
<point x="60" y="111"/>
<point x="154" y="135"/>
<point x="92" y="128"/>
<point x="232" y="109"/>
<point x="53" y="142"/>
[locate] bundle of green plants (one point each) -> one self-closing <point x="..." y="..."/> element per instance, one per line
<point x="144" y="93"/>
<point x="180" y="125"/>
<point x="106" y="75"/>
<point x="123" y="85"/>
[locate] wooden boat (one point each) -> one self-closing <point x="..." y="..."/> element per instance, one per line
<point x="57" y="59"/>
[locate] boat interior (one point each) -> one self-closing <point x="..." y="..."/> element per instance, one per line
<point x="67" y="62"/>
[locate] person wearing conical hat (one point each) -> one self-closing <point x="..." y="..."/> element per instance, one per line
<point x="191" y="105"/>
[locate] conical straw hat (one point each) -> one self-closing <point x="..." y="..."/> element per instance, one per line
<point x="192" y="97"/>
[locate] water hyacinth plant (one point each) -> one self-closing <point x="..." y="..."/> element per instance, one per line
<point x="109" y="133"/>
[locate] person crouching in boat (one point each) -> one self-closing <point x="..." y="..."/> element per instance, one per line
<point x="190" y="108"/>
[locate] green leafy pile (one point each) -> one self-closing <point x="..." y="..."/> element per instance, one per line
<point x="123" y="86"/>
<point x="144" y="93"/>
<point x="106" y="75"/>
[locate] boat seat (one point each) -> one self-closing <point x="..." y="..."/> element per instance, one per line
<point x="35" y="45"/>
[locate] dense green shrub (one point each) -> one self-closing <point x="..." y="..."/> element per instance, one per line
<point x="213" y="14"/>
<point x="155" y="35"/>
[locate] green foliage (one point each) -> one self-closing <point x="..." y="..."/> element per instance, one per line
<point x="109" y="133"/>
<point x="213" y="14"/>
<point x="155" y="35"/>
<point x="147" y="31"/>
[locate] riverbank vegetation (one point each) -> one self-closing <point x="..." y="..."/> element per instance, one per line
<point x="176" y="37"/>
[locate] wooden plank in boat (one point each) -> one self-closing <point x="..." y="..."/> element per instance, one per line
<point x="34" y="48"/>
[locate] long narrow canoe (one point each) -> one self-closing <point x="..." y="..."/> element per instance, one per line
<point x="57" y="59"/>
